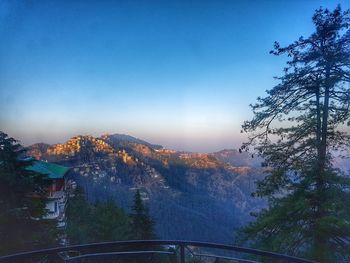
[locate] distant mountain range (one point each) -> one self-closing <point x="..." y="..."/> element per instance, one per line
<point x="196" y="196"/>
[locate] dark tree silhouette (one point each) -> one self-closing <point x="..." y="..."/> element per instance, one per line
<point x="99" y="222"/>
<point x="142" y="226"/>
<point x="298" y="128"/>
<point x="18" y="230"/>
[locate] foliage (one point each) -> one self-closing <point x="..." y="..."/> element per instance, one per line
<point x="110" y="223"/>
<point x="105" y="221"/>
<point x="87" y="223"/>
<point x="18" y="230"/>
<point x="141" y="225"/>
<point x="78" y="213"/>
<point x="298" y="128"/>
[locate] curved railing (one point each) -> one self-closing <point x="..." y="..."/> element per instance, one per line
<point x="181" y="251"/>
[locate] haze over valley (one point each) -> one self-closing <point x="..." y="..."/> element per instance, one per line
<point x="199" y="196"/>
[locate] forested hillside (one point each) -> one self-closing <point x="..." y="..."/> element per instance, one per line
<point x="190" y="195"/>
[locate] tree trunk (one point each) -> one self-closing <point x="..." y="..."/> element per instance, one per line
<point x="320" y="211"/>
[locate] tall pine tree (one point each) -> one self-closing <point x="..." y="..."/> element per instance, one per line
<point x="298" y="128"/>
<point x="18" y="230"/>
<point x="142" y="225"/>
<point x="100" y="222"/>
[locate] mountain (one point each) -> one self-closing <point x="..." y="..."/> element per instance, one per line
<point x="122" y="139"/>
<point x="38" y="149"/>
<point x="194" y="196"/>
<point x="236" y="158"/>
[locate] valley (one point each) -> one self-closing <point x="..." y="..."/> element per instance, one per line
<point x="194" y="196"/>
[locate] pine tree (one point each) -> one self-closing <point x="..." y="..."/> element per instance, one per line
<point x="79" y="219"/>
<point x="88" y="223"/>
<point x="298" y="128"/>
<point x="142" y="226"/>
<point x="18" y="230"/>
<point x="110" y="222"/>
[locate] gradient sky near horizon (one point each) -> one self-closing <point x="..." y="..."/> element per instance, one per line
<point x="177" y="73"/>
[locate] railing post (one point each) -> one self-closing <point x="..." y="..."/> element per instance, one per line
<point x="182" y="253"/>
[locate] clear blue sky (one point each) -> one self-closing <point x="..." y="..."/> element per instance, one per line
<point x="178" y="73"/>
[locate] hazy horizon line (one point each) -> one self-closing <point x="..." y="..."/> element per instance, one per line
<point x="67" y="138"/>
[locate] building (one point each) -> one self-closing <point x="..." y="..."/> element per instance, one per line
<point x="57" y="191"/>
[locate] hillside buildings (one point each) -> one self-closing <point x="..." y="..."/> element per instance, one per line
<point x="57" y="191"/>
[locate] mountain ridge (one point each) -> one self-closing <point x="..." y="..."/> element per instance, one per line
<point x="122" y="140"/>
<point x="187" y="189"/>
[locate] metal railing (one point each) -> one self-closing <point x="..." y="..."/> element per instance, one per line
<point x="180" y="250"/>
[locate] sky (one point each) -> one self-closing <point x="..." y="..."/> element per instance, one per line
<point x="177" y="73"/>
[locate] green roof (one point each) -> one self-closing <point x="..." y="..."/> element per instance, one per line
<point x="53" y="171"/>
